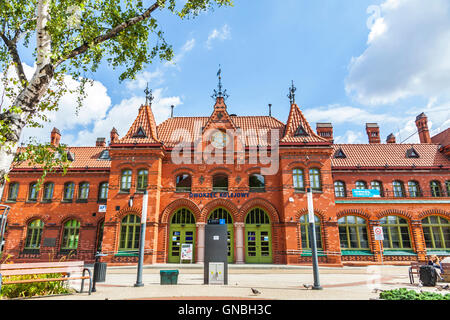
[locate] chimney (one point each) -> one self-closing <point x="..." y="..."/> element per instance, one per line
<point x="114" y="135"/>
<point x="325" y="130"/>
<point x="373" y="132"/>
<point x="270" y="109"/>
<point x="390" y="138"/>
<point x="101" y="142"/>
<point x="422" y="128"/>
<point x="171" y="111"/>
<point x="55" y="136"/>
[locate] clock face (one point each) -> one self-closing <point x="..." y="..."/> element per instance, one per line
<point x="219" y="139"/>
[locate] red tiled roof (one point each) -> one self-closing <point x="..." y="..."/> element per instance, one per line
<point x="177" y="129"/>
<point x="298" y="121"/>
<point x="442" y="138"/>
<point x="144" y="124"/>
<point x="84" y="156"/>
<point x="392" y="154"/>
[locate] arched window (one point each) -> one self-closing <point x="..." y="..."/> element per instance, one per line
<point x="33" y="192"/>
<point x="377" y="185"/>
<point x="447" y="186"/>
<point x="83" y="191"/>
<point x="220" y="182"/>
<point x="298" y="179"/>
<point x="221" y="213"/>
<point x="69" y="188"/>
<point x="436" y="231"/>
<point x="314" y="178"/>
<point x="361" y="185"/>
<point x="103" y="191"/>
<point x="413" y="189"/>
<point x="435" y="189"/>
<point x="256" y="183"/>
<point x="304" y="230"/>
<point x="71" y="233"/>
<point x="13" y="191"/>
<point x="183" y="183"/>
<point x="48" y="191"/>
<point x="353" y="233"/>
<point x="142" y="180"/>
<point x="100" y="236"/>
<point x="396" y="233"/>
<point x="398" y="190"/>
<point x="130" y="229"/>
<point x="34" y="235"/>
<point x="125" y="180"/>
<point x="257" y="216"/>
<point x="183" y="216"/>
<point x="339" y="189"/>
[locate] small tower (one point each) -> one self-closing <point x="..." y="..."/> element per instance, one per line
<point x="55" y="136"/>
<point x="114" y="136"/>
<point x="390" y="138"/>
<point x="422" y="128"/>
<point x="373" y="132"/>
<point x="325" y="130"/>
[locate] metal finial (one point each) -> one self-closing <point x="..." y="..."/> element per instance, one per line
<point x="218" y="93"/>
<point x="148" y="96"/>
<point x="171" y="112"/>
<point x="291" y="94"/>
<point x="270" y="109"/>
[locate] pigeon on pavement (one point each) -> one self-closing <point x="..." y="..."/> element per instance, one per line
<point x="308" y="286"/>
<point x="255" y="291"/>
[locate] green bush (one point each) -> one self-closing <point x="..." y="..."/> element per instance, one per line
<point x="22" y="290"/>
<point x="405" y="294"/>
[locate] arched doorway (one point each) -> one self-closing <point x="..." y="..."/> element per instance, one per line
<point x="181" y="230"/>
<point x="258" y="237"/>
<point x="221" y="213"/>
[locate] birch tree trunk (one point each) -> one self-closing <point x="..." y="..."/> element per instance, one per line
<point x="30" y="96"/>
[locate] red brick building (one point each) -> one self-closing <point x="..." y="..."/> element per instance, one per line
<point x="97" y="204"/>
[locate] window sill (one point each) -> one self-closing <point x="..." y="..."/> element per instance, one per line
<point x="183" y="191"/>
<point x="297" y="190"/>
<point x="66" y="201"/>
<point x="399" y="252"/>
<point x="124" y="192"/>
<point x="126" y="254"/>
<point x="351" y="252"/>
<point x="31" y="251"/>
<point x="46" y="201"/>
<point x="102" y="201"/>
<point x="257" y="190"/>
<point x="31" y="201"/>
<point x="10" y="201"/>
<point x="81" y="201"/>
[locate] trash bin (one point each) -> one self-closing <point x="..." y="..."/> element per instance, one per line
<point x="100" y="271"/>
<point x="169" y="276"/>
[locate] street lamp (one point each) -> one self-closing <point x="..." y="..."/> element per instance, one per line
<point x="3" y="219"/>
<point x="312" y="232"/>
<point x="142" y="240"/>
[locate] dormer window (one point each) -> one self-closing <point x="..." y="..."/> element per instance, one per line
<point x="70" y="156"/>
<point x="140" y="133"/>
<point x="104" y="155"/>
<point x="340" y="154"/>
<point x="412" y="153"/>
<point x="300" y="132"/>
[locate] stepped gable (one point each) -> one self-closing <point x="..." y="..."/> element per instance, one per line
<point x="298" y="129"/>
<point x="143" y="129"/>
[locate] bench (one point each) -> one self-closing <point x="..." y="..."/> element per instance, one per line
<point x="71" y="270"/>
<point x="414" y="270"/>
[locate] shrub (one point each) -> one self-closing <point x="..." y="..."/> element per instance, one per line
<point x="22" y="290"/>
<point x="405" y="294"/>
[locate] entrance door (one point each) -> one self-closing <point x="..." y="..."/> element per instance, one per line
<point x="221" y="213"/>
<point x="258" y="237"/>
<point x="182" y="230"/>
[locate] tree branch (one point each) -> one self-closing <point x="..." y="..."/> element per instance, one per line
<point x="12" y="47"/>
<point x="108" y="35"/>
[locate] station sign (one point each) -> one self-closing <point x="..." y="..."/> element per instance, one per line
<point x="366" y="193"/>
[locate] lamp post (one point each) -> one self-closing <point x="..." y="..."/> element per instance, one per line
<point x="142" y="240"/>
<point x="3" y="219"/>
<point x="312" y="232"/>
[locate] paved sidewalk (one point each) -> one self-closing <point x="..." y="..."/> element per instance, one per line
<point x="274" y="282"/>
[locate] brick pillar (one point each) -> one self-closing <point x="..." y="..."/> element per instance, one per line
<point x="374" y="244"/>
<point x="332" y="243"/>
<point x="239" y="238"/>
<point x="418" y="240"/>
<point x="200" y="241"/>
<point x="292" y="242"/>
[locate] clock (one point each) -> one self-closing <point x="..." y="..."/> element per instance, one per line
<point x="219" y="139"/>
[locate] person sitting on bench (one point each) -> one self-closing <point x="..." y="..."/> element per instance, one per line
<point x="434" y="261"/>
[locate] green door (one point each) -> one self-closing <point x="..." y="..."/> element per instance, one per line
<point x="221" y="213"/>
<point x="258" y="237"/>
<point x="182" y="230"/>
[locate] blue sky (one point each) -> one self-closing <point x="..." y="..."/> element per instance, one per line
<point x="352" y="62"/>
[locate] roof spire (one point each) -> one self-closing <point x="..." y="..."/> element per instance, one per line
<point x="219" y="93"/>
<point x="148" y="96"/>
<point x="291" y="94"/>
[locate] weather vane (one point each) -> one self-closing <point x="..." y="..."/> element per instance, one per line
<point x="219" y="93"/>
<point x="148" y="95"/>
<point x="291" y="94"/>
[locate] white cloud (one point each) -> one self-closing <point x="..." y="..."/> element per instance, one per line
<point x="188" y="46"/>
<point x="152" y="78"/>
<point x="407" y="54"/>
<point x="222" y="34"/>
<point x="351" y="137"/>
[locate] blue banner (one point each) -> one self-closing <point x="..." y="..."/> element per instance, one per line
<point x="365" y="193"/>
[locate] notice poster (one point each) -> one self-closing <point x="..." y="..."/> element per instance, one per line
<point x="186" y="251"/>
